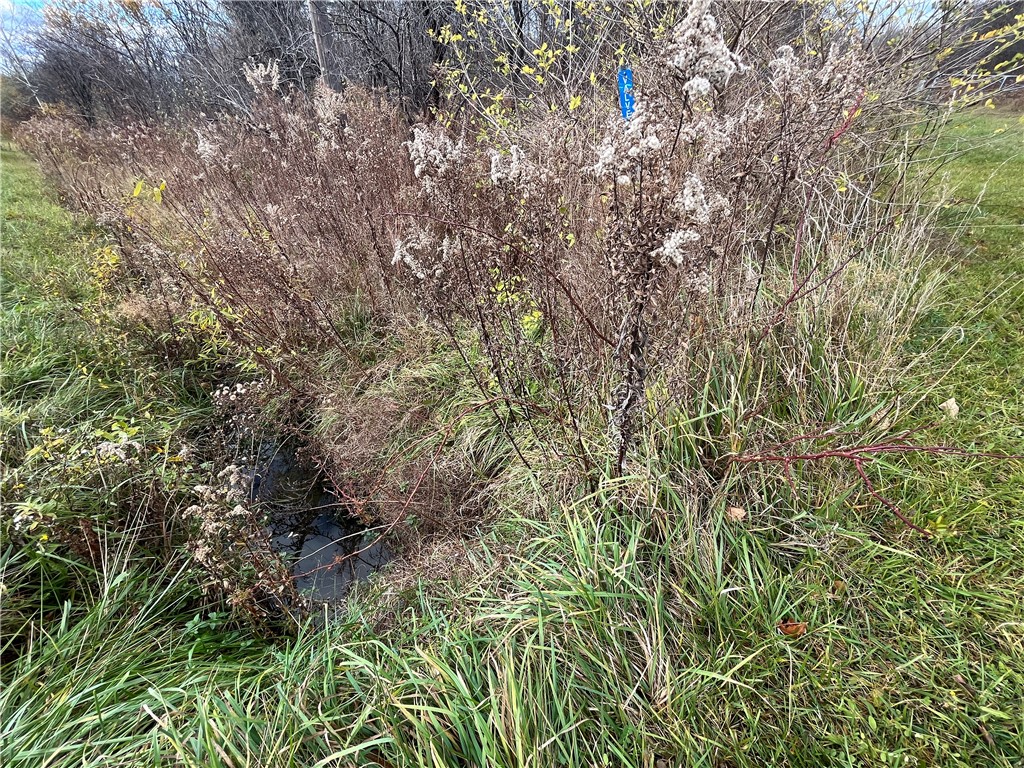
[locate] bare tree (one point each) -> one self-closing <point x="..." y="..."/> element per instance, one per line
<point x="274" y="30"/>
<point x="102" y="60"/>
<point x="127" y="59"/>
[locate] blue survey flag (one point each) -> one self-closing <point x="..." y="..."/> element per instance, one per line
<point x="627" y="101"/>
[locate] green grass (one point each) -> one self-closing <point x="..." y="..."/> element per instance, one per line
<point x="596" y="636"/>
<point x="985" y="295"/>
<point x="71" y="381"/>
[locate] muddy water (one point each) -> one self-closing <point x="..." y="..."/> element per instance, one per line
<point x="329" y="550"/>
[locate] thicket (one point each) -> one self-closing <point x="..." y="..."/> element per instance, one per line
<point x="703" y="305"/>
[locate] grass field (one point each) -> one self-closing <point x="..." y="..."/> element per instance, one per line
<point x="604" y="639"/>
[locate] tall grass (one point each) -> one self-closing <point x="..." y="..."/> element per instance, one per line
<point x="606" y="639"/>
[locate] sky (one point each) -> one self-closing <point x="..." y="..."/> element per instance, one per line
<point x="17" y="16"/>
<point x="26" y="7"/>
<point x="21" y="12"/>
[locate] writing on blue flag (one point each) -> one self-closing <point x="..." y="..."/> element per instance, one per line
<point x="627" y="102"/>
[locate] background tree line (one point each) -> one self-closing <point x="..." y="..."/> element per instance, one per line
<point x="151" y="59"/>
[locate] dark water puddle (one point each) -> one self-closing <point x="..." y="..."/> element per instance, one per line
<point x="329" y="549"/>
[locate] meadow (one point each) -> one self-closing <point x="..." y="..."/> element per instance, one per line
<point x="586" y="637"/>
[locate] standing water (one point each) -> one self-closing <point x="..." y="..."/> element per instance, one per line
<point x="329" y="550"/>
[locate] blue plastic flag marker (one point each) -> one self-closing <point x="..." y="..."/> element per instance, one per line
<point x="626" y="99"/>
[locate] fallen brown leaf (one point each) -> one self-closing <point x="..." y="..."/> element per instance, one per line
<point x="951" y="408"/>
<point x="792" y="628"/>
<point x="735" y="514"/>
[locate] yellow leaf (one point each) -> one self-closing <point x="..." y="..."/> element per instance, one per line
<point x="575" y="102"/>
